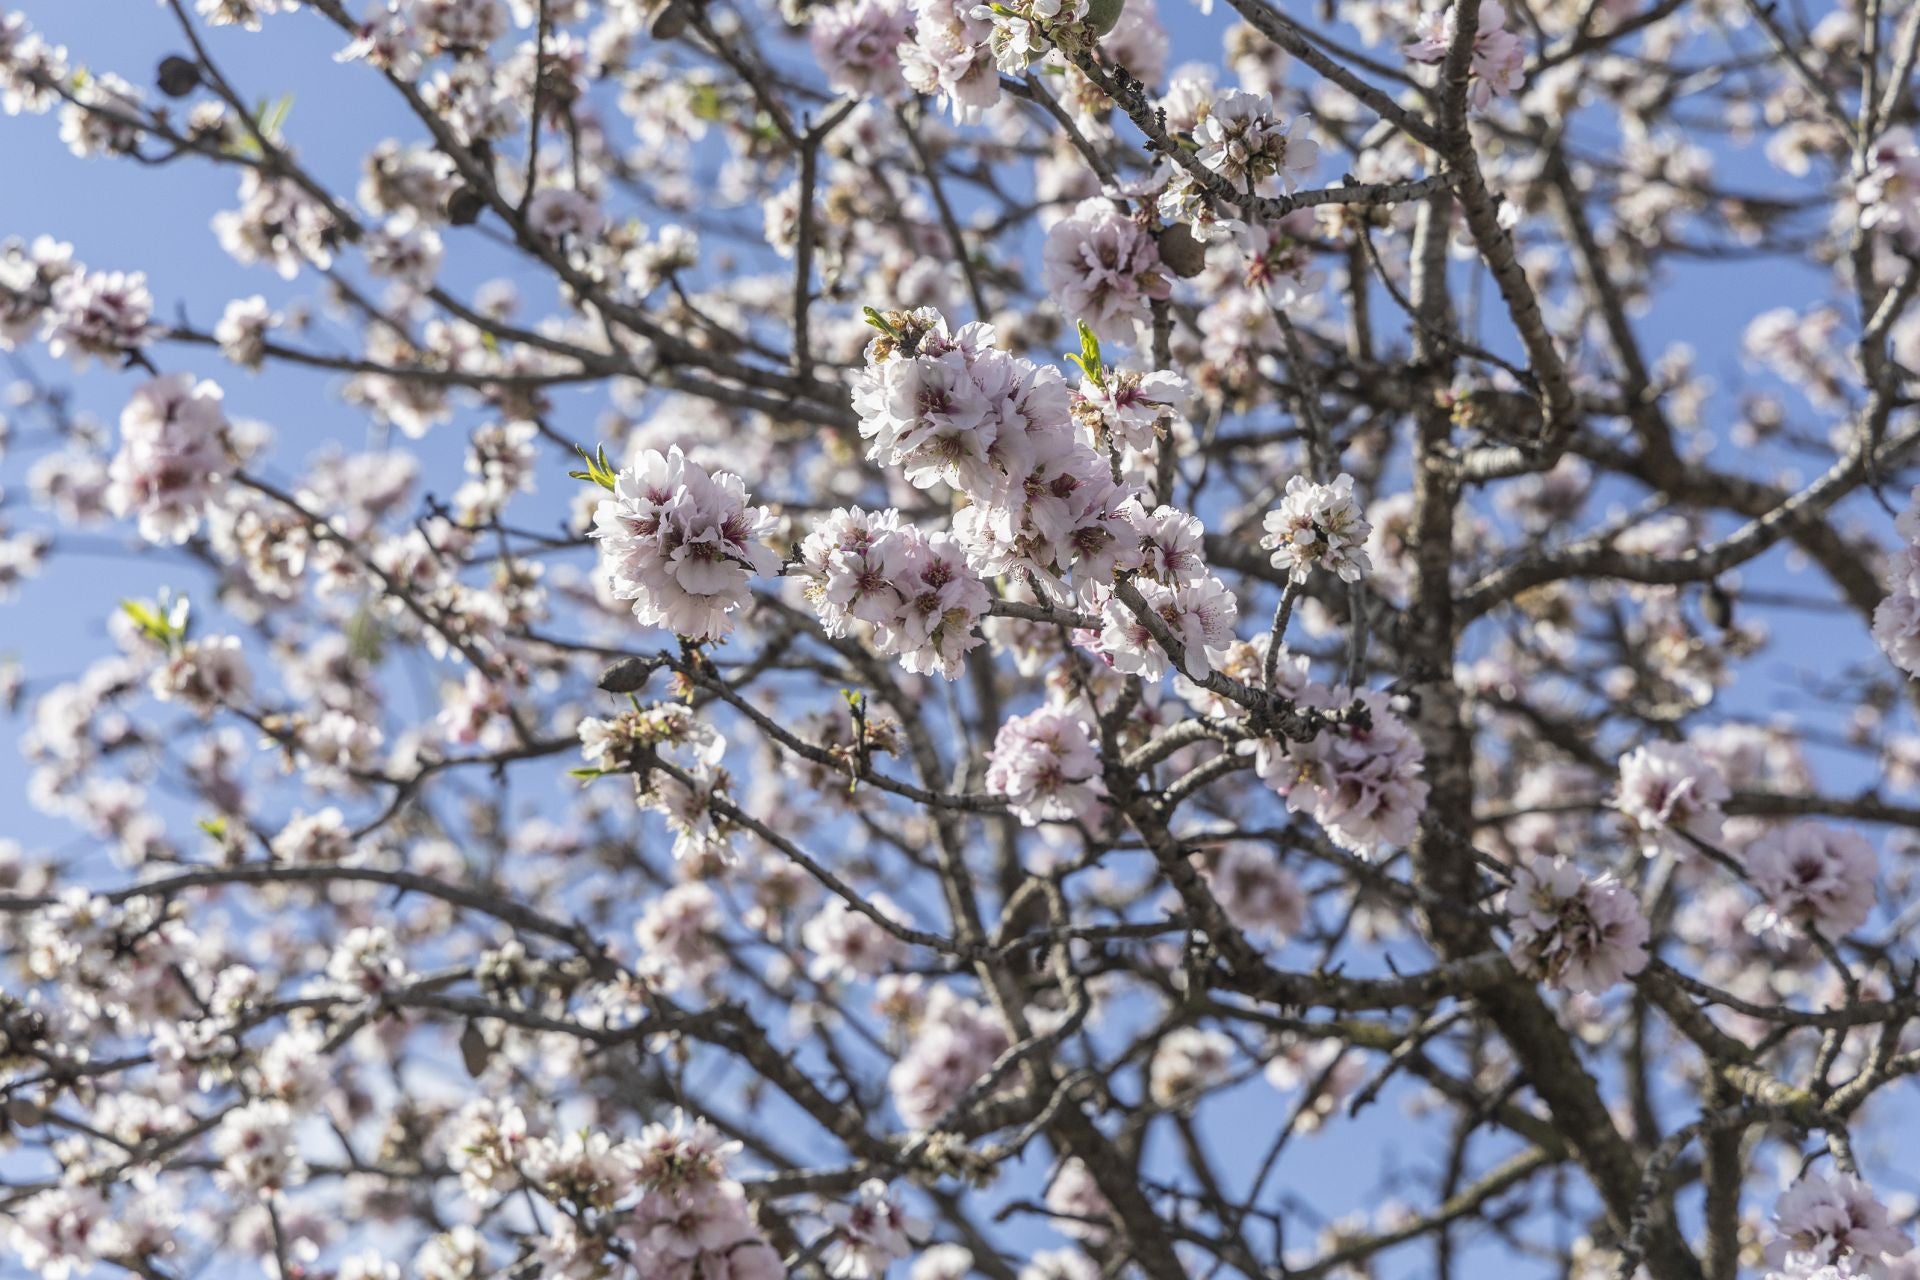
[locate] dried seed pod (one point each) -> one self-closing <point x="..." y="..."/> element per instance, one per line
<point x="178" y="76"/>
<point x="1182" y="253"/>
<point x="672" y="20"/>
<point x="629" y="675"/>
<point x="464" y="207"/>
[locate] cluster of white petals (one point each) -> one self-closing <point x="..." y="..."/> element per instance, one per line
<point x="955" y="409"/>
<point x="1047" y="766"/>
<point x="950" y="56"/>
<point x="955" y="1043"/>
<point x="675" y="759"/>
<point x="1318" y="526"/>
<point x="1673" y="795"/>
<point x="1832" y="1228"/>
<point x="1245" y="141"/>
<point x="172" y="453"/>
<point x="1022" y="29"/>
<point x="1363" y="785"/>
<point x="1887" y="185"/>
<point x="1199" y="613"/>
<point x="1896" y="621"/>
<point x="1576" y="932"/>
<point x="917" y="591"/>
<point x="1499" y="56"/>
<point x="1812" y="876"/>
<point x="857" y="44"/>
<point x="683" y="544"/>
<point x="1104" y="270"/>
<point x="870" y="1234"/>
<point x="1129" y="408"/>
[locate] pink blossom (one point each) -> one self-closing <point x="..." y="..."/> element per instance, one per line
<point x="1318" y="525"/>
<point x="1045" y="763"/>
<point x="1362" y="785"/>
<point x="172" y="454"/>
<point x="1246" y="142"/>
<point x="99" y="315"/>
<point x="1103" y="268"/>
<point x="1257" y="892"/>
<point x="1499" y="55"/>
<point x="857" y="44"/>
<point x="1667" y="789"/>
<point x="871" y="1233"/>
<point x="683" y="545"/>
<point x="1832" y="1226"/>
<point x="1577" y="933"/>
<point x="1812" y="876"/>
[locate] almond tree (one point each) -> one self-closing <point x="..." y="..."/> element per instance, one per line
<point x="831" y="785"/>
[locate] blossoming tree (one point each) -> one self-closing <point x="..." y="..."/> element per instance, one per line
<point x="765" y="767"/>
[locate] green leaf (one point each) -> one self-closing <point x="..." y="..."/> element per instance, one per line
<point x="879" y="322"/>
<point x="706" y="104"/>
<point x="599" y="470"/>
<point x="163" y="621"/>
<point x="270" y="119"/>
<point x="1089" y="357"/>
<point x="215" y="827"/>
<point x="365" y="639"/>
<point x="586" y="773"/>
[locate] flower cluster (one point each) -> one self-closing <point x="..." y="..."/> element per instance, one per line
<point x="1104" y="269"/>
<point x="668" y="734"/>
<point x="1832" y="1228"/>
<point x="1318" y="526"/>
<point x="103" y="315"/>
<point x="691" y="1221"/>
<point x="204" y="675"/>
<point x="1499" y="55"/>
<point x="1046" y="764"/>
<point x="870" y="1234"/>
<point x="1188" y="1062"/>
<point x="956" y="1042"/>
<point x="1128" y="408"/>
<point x="1022" y="29"/>
<point x="1574" y="932"/>
<point x="1258" y="893"/>
<point x="857" y="44"/>
<point x="1812" y="876"/>
<point x="916" y="590"/>
<point x="848" y="944"/>
<point x="954" y="409"/>
<point x="1673" y="795"/>
<point x="951" y="56"/>
<point x="1363" y="785"/>
<point x="1887" y="186"/>
<point x="679" y="935"/>
<point x="172" y="453"/>
<point x="1896" y="621"/>
<point x="1244" y="141"/>
<point x="682" y="544"/>
<point x="1199" y="612"/>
